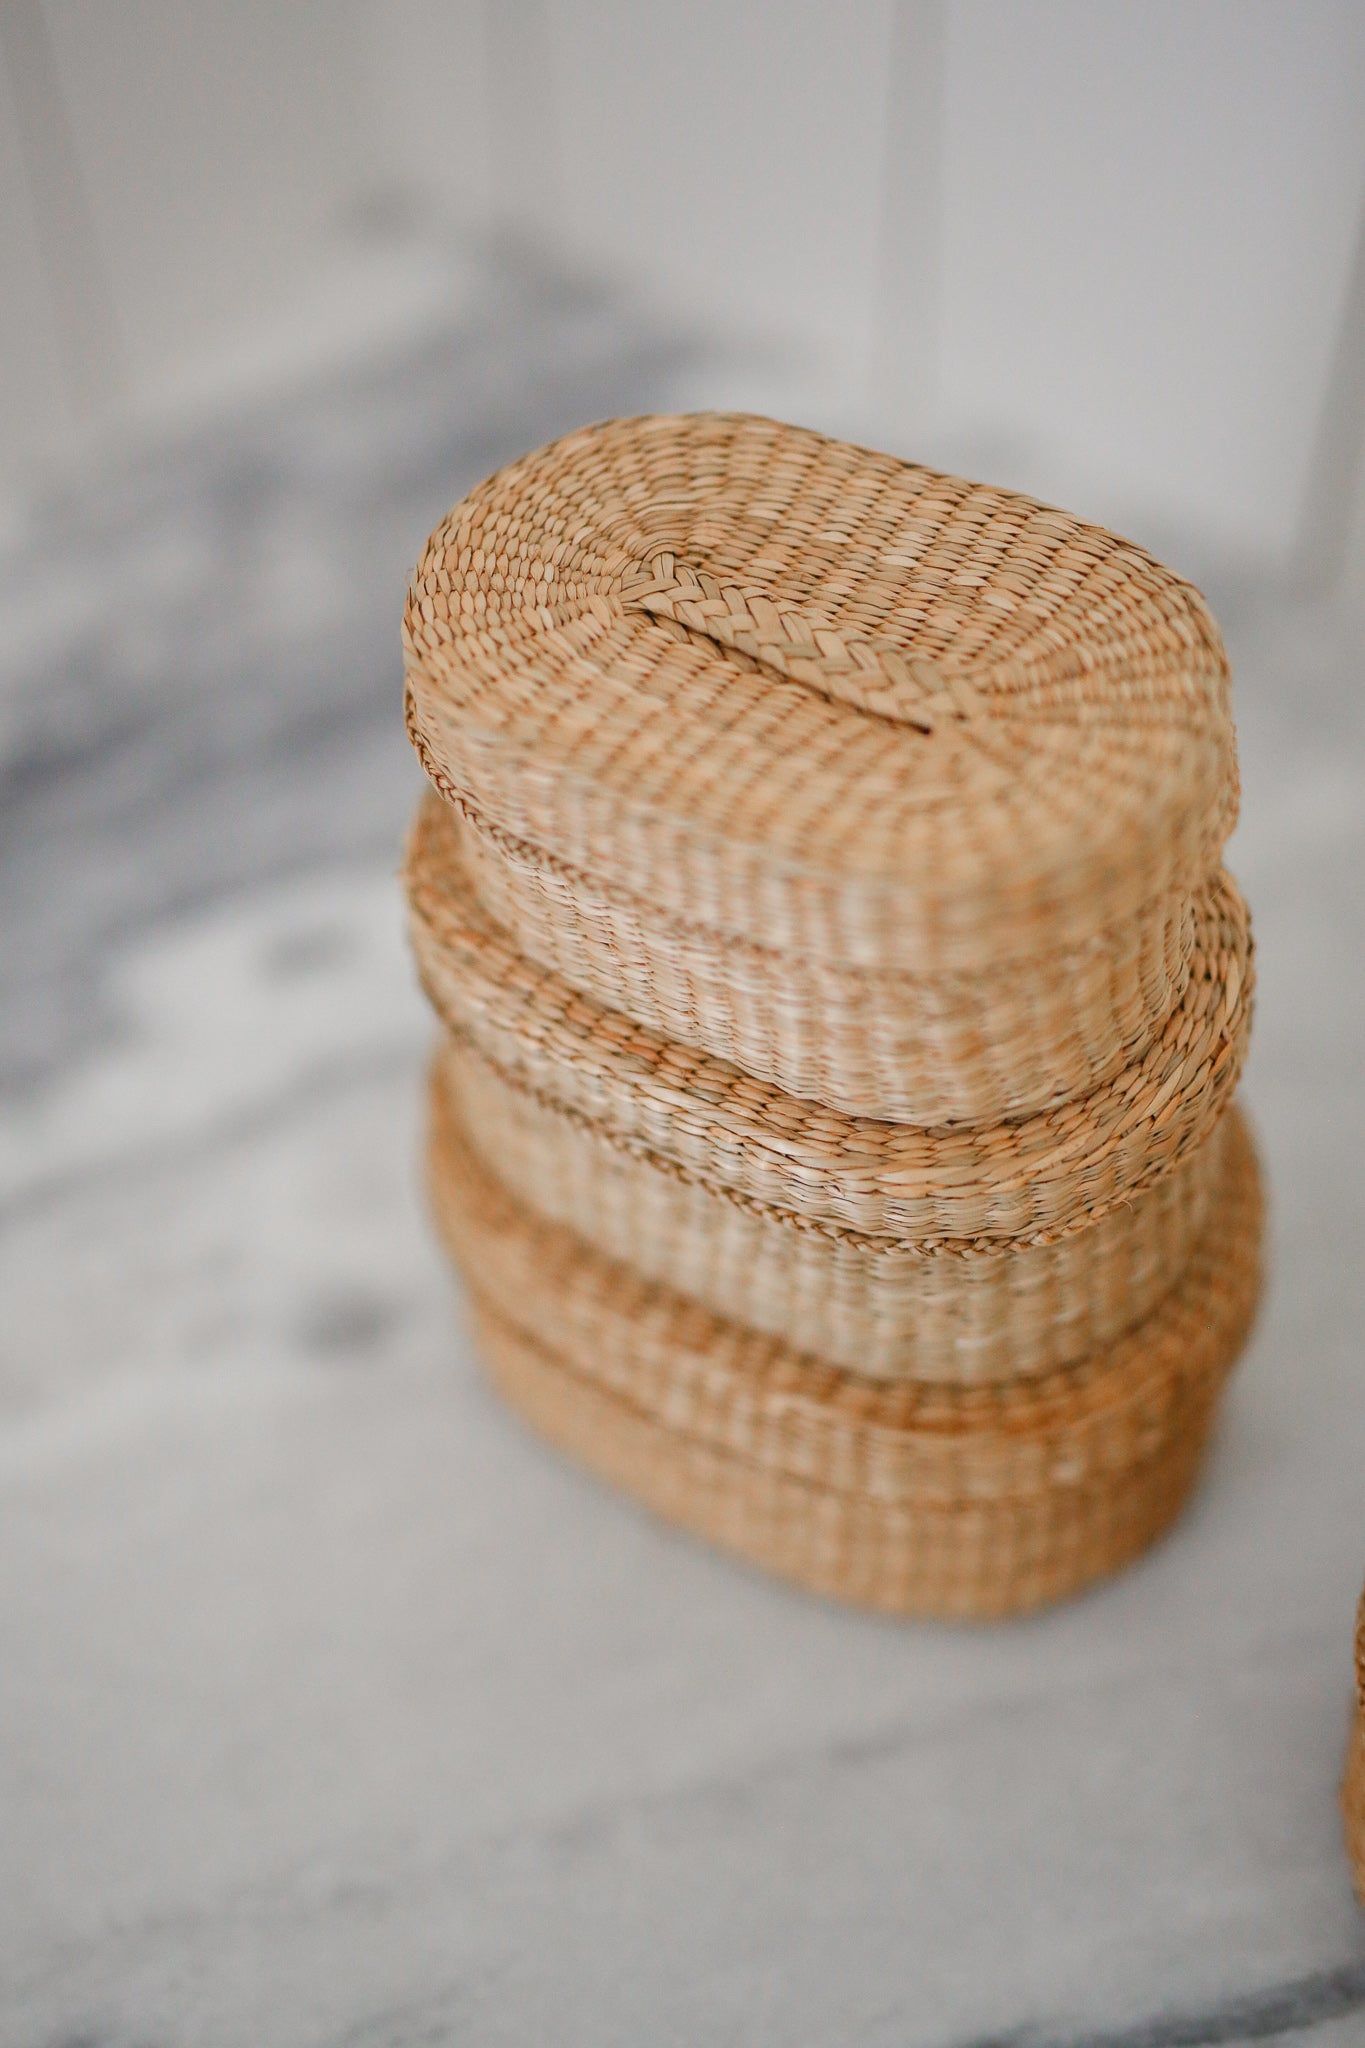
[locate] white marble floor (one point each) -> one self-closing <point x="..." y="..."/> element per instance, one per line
<point x="335" y="1710"/>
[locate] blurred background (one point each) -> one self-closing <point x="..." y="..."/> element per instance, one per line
<point x="331" y="1709"/>
<point x="1110" y="252"/>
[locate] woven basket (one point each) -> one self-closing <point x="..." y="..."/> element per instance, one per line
<point x="1353" y="1784"/>
<point x="952" y="1048"/>
<point x="879" y="1306"/>
<point x="745" y="1141"/>
<point x="930" y="1500"/>
<point x="713" y="679"/>
<point x="1353" y="1801"/>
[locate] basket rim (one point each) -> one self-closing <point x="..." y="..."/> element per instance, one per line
<point x="533" y="1023"/>
<point x="1079" y="724"/>
<point x="537" y="1271"/>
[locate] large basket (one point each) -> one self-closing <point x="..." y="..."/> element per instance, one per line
<point x="749" y="724"/>
<point x="1036" y="1178"/>
<point x="930" y="1500"/>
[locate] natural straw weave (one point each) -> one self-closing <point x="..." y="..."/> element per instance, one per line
<point x="928" y="1500"/>
<point x="715" y="677"/>
<point x="889" y="1309"/>
<point x="747" y="1143"/>
<point x="1353" y="1785"/>
<point x="1353" y="1801"/>
<point x="968" y="1048"/>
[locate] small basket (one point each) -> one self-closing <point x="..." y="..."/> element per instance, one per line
<point x="878" y="1306"/>
<point x="1353" y="1784"/>
<point x="1035" y="1178"/>
<point x="929" y="1500"/>
<point x="921" y="1050"/>
<point x="888" y="788"/>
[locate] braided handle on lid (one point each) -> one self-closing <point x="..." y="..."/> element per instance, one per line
<point x="871" y="675"/>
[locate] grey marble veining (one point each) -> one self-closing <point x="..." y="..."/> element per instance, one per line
<point x="200" y="653"/>
<point x="333" y="1709"/>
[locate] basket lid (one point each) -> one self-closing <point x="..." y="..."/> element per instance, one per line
<point x="777" y="684"/>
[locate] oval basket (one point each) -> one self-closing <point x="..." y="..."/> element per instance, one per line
<point x="878" y="1306"/>
<point x="923" y="1050"/>
<point x="1034" y="1178"/>
<point x="930" y="1500"/>
<point x="715" y="678"/>
<point x="1353" y="1784"/>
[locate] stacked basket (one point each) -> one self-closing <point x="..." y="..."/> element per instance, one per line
<point x="844" y="1001"/>
<point x="1353" y="1785"/>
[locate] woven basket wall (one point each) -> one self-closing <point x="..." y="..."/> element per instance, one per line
<point x="977" y="1309"/>
<point x="1035" y="1177"/>
<point x="1353" y="1784"/>
<point x="926" y="1050"/>
<point x="707" y="680"/>
<point x="927" y="1499"/>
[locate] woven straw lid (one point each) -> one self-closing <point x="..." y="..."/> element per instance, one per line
<point x="818" y="698"/>
<point x="1053" y="1171"/>
<point x="924" y="1499"/>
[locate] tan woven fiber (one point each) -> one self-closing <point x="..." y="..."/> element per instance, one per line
<point x="921" y="1049"/>
<point x="924" y="1500"/>
<point x="1353" y="1801"/>
<point x="976" y="1562"/>
<point x="760" y="1399"/>
<point x="1353" y="1784"/>
<point x="819" y="700"/>
<point x="1035" y="1179"/>
<point x="875" y="1305"/>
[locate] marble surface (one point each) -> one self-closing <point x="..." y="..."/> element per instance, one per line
<point x="335" y="1710"/>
